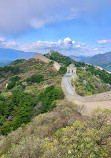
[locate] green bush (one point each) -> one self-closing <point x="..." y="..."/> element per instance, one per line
<point x="50" y="94"/>
<point x="19" y="61"/>
<point x="63" y="70"/>
<point x="11" y="69"/>
<point x="6" y="128"/>
<point x="19" y="106"/>
<point x="15" y="78"/>
<point x="13" y="82"/>
<point x="11" y="85"/>
<point x="36" y="78"/>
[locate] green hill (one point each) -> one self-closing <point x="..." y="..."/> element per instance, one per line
<point x="90" y="81"/>
<point x="37" y="122"/>
<point x="28" y="83"/>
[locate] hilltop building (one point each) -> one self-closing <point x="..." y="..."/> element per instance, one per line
<point x="51" y="51"/>
<point x="71" y="69"/>
<point x="46" y="60"/>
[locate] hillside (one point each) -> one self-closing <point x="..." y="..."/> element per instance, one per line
<point x="103" y="60"/>
<point x="26" y="81"/>
<point x="90" y="80"/>
<point x="36" y="121"/>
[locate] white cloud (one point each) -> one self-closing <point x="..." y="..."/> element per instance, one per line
<point x="17" y="16"/>
<point x="66" y="46"/>
<point x="95" y="49"/>
<point x="104" y="41"/>
<point x="78" y="46"/>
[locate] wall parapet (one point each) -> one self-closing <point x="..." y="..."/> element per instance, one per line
<point x="46" y="60"/>
<point x="88" y="103"/>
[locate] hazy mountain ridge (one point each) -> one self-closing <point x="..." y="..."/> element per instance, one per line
<point x="12" y="54"/>
<point x="77" y="58"/>
<point x="6" y="62"/>
<point x="103" y="60"/>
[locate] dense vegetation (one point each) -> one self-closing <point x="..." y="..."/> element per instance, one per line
<point x="11" y="69"/>
<point x="18" y="61"/>
<point x="63" y="60"/>
<point x="102" y="74"/>
<point x="15" y="111"/>
<point x="59" y="134"/>
<point x="43" y="124"/>
<point x="13" y="81"/>
<point x="21" y="100"/>
<point x="36" y="78"/>
<point x="47" y="97"/>
<point x="90" y="81"/>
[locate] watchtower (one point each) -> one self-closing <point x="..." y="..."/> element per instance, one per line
<point x="71" y="69"/>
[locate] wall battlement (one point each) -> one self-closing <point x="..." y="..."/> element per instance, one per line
<point x="42" y="58"/>
<point x="88" y="103"/>
<point x="46" y="60"/>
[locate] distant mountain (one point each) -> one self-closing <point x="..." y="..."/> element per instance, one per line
<point x="12" y="54"/>
<point x="77" y="58"/>
<point x="103" y="60"/>
<point x="6" y="62"/>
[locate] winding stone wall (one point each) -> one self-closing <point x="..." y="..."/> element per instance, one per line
<point x="88" y="103"/>
<point x="42" y="58"/>
<point x="56" y="65"/>
<point x="46" y="60"/>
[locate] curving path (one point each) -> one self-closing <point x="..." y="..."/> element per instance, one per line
<point x="87" y="104"/>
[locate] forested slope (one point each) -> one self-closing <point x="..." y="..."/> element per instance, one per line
<point x="37" y="122"/>
<point x="90" y="80"/>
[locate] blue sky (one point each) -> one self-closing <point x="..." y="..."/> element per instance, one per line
<point x="72" y="27"/>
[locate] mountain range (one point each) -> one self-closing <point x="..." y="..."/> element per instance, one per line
<point x="102" y="60"/>
<point x="77" y="58"/>
<point x="12" y="54"/>
<point x="8" y="55"/>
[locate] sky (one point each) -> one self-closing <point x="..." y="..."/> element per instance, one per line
<point x="71" y="27"/>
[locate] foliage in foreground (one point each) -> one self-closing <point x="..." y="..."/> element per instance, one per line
<point x="87" y="139"/>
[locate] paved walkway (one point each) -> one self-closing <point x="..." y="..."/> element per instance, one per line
<point x="67" y="85"/>
<point x="85" y="104"/>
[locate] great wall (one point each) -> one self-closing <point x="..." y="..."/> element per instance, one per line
<point x="46" y="60"/>
<point x="85" y="105"/>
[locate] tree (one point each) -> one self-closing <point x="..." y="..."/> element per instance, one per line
<point x="36" y="78"/>
<point x="50" y="94"/>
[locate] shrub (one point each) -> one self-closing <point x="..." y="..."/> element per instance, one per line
<point x="11" y="69"/>
<point x="6" y="128"/>
<point x="63" y="70"/>
<point x="50" y="94"/>
<point x="19" y="106"/>
<point x="36" y="78"/>
<point x="11" y="85"/>
<point x="19" y="61"/>
<point x="15" y="78"/>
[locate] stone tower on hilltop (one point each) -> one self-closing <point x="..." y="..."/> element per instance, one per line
<point x="71" y="69"/>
